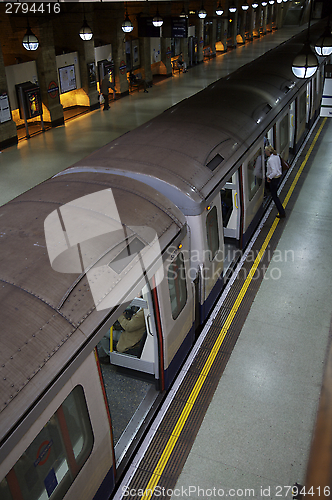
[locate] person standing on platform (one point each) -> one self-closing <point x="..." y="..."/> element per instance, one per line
<point x="105" y="85"/>
<point x="274" y="171"/>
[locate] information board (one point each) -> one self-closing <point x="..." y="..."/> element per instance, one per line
<point x="67" y="78"/>
<point x="5" y="115"/>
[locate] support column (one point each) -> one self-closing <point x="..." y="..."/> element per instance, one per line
<point x="184" y="50"/>
<point x="47" y="74"/>
<point x="87" y="55"/>
<point x="166" y="55"/>
<point x="119" y="57"/>
<point x="214" y="34"/>
<point x="8" y="132"/>
<point x="234" y="18"/>
<point x="200" y="55"/>
<point x="145" y="50"/>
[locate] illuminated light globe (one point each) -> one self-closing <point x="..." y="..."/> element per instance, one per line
<point x="202" y="13"/>
<point x="279" y="1"/>
<point x="157" y="21"/>
<point x="254" y="5"/>
<point x="219" y="10"/>
<point x="305" y="63"/>
<point x="86" y="31"/>
<point x="264" y="3"/>
<point x="127" y="26"/>
<point x="30" y="41"/>
<point x="245" y="6"/>
<point x="323" y="46"/>
<point x="232" y="8"/>
<point x="284" y="1"/>
<point x="271" y="2"/>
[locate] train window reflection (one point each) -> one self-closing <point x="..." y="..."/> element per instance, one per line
<point x="255" y="173"/>
<point x="177" y="285"/>
<point x="53" y="459"/>
<point x="212" y="232"/>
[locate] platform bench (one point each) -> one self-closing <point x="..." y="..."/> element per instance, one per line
<point x="207" y="53"/>
<point x="175" y="66"/>
<point x="133" y="86"/>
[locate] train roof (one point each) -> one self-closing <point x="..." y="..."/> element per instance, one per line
<point x="191" y="147"/>
<point x="47" y="315"/>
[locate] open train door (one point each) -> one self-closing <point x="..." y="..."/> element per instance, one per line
<point x="231" y="208"/>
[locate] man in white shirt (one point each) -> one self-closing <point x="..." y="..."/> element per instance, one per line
<point x="274" y="171"/>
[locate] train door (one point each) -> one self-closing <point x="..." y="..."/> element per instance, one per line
<point x="176" y="305"/>
<point x="213" y="255"/>
<point x="231" y="209"/>
<point x="128" y="358"/>
<point x="291" y="125"/>
<point x="308" y="101"/>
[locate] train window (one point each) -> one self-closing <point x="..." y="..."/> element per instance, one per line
<point x="212" y="232"/>
<point x="255" y="173"/>
<point x="5" y="491"/>
<point x="177" y="285"/>
<point x="302" y="106"/>
<point x="284" y="134"/>
<point x="53" y="459"/>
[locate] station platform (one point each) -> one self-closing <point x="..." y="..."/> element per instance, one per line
<point x="250" y="434"/>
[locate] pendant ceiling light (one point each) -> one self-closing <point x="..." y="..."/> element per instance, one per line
<point x="157" y="21"/>
<point x="86" y="31"/>
<point x="305" y="63"/>
<point x="202" y="13"/>
<point x="30" y="41"/>
<point x="219" y="10"/>
<point x="127" y="25"/>
<point x="323" y="46"/>
<point x="232" y="8"/>
<point x="245" y="6"/>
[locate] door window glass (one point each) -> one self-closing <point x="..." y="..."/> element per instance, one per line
<point x="177" y="285"/>
<point x="226" y="205"/>
<point x="52" y="461"/>
<point x="255" y="173"/>
<point x="284" y="133"/>
<point x="212" y="232"/>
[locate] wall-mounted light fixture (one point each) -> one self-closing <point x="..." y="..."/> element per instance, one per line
<point x="30" y="41"/>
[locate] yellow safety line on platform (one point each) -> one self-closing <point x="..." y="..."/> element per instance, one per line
<point x="201" y="379"/>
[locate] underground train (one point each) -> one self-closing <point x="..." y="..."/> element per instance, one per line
<point x="139" y="231"/>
